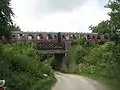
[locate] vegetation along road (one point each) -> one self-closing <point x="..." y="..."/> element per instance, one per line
<point x="74" y="82"/>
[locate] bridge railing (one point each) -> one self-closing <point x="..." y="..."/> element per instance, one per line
<point x="50" y="46"/>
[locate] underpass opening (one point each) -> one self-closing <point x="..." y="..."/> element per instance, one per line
<point x="56" y="61"/>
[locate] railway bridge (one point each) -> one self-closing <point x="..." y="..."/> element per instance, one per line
<point x="59" y="50"/>
<point x="55" y="43"/>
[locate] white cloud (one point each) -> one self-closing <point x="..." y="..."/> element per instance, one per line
<point x="79" y="18"/>
<point x="57" y="5"/>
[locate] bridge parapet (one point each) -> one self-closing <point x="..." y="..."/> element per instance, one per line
<point x="50" y="46"/>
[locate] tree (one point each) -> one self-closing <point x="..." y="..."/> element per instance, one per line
<point x="5" y="18"/>
<point x="115" y="18"/>
<point x="102" y="28"/>
<point x="8" y="29"/>
<point x="14" y="28"/>
<point x="110" y="27"/>
<point x="115" y="13"/>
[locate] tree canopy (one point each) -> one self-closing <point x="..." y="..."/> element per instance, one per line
<point x="110" y="27"/>
<point x="5" y="18"/>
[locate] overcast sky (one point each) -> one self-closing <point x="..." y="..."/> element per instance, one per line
<point x="58" y="15"/>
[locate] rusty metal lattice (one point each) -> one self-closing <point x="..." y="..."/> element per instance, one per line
<point x="50" y="46"/>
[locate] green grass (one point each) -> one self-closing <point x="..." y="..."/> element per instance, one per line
<point x="111" y="83"/>
<point x="45" y="84"/>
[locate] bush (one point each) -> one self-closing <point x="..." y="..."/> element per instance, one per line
<point x="102" y="61"/>
<point x="22" y="69"/>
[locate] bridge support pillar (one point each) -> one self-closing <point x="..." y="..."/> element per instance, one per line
<point x="65" y="61"/>
<point x="61" y="61"/>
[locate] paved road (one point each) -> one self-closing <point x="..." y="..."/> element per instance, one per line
<point x="74" y="82"/>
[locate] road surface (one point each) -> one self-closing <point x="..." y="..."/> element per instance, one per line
<point x="74" y="82"/>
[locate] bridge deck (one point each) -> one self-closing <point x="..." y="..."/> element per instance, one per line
<point x="51" y="51"/>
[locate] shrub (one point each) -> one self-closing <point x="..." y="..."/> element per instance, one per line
<point x="22" y="69"/>
<point x="97" y="60"/>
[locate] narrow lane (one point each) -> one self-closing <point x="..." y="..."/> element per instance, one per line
<point x="74" y="82"/>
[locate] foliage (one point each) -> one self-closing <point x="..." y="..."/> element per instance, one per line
<point x="5" y="12"/>
<point x="100" y="61"/>
<point x="102" y="28"/>
<point x="22" y="69"/>
<point x="110" y="27"/>
<point x="5" y="18"/>
<point x="14" y="28"/>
